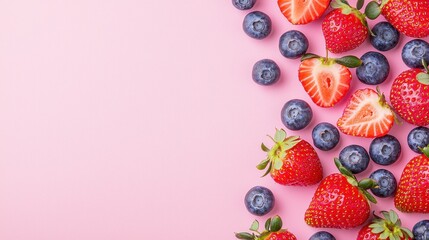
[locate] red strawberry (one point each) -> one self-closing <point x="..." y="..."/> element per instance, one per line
<point x="410" y="96"/>
<point x="303" y="11"/>
<point x="413" y="188"/>
<point x="292" y="161"/>
<point x="409" y="17"/>
<point x="340" y="201"/>
<point x="344" y="28"/>
<point x="326" y="80"/>
<point x="366" y="115"/>
<point x="273" y="231"/>
<point x="387" y="228"/>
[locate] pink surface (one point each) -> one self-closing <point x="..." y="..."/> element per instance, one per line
<point x="139" y="120"/>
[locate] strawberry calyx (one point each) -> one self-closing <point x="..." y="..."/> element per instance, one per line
<point x="423" y="77"/>
<point x="272" y="225"/>
<point x="363" y="185"/>
<point x="347" y="61"/>
<point x="425" y="151"/>
<point x="389" y="227"/>
<point x="346" y="9"/>
<point x="277" y="153"/>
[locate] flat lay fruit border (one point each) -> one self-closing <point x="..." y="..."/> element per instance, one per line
<point x="341" y="200"/>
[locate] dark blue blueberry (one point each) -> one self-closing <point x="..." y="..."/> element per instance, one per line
<point x="296" y="114"/>
<point x="257" y="25"/>
<point x="386" y="36"/>
<point x="325" y="136"/>
<point x="259" y="200"/>
<point x="385" y="150"/>
<point x="421" y="230"/>
<point x="293" y="44"/>
<point x="386" y="183"/>
<point x="265" y="72"/>
<point x="322" y="235"/>
<point x="374" y="69"/>
<point x="418" y="138"/>
<point x="243" y="4"/>
<point x="355" y="158"/>
<point x="414" y="51"/>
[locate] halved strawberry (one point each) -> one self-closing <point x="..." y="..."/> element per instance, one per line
<point x="303" y="11"/>
<point x="367" y="115"/>
<point x="326" y="80"/>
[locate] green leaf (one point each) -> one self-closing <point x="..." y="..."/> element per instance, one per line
<point x="377" y="229"/>
<point x="255" y="226"/>
<point x="372" y="10"/>
<point x="384" y="235"/>
<point x="393" y="216"/>
<point x="367" y="183"/>
<point x="423" y="78"/>
<point x="278" y="163"/>
<point x="369" y="196"/>
<point x="267" y="224"/>
<point x="245" y="235"/>
<point x="408" y="232"/>
<point x="349" y="61"/>
<point x="262" y="165"/>
<point x="360" y="4"/>
<point x="276" y="224"/>
<point x="337" y="163"/>
<point x="268" y="169"/>
<point x="280" y="135"/>
<point x="264" y="148"/>
<point x="309" y="56"/>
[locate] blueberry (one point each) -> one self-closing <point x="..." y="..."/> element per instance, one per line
<point x="386" y="183"/>
<point x="296" y="114"/>
<point x="374" y="69"/>
<point x="322" y="235"/>
<point x="421" y="230"/>
<point x="355" y="158"/>
<point x="325" y="136"/>
<point x="386" y="36"/>
<point x="259" y="200"/>
<point x="418" y="138"/>
<point x="243" y="4"/>
<point x="385" y="150"/>
<point x="265" y="72"/>
<point x="293" y="44"/>
<point x="257" y="25"/>
<point x="414" y="51"/>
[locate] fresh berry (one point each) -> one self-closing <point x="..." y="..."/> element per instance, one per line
<point x="385" y="150"/>
<point x="409" y="17"/>
<point x="302" y="11"/>
<point x="325" y="136"/>
<point x="355" y="158"/>
<point x="291" y="161"/>
<point x="326" y="80"/>
<point x="344" y="28"/>
<point x="418" y="138"/>
<point x="293" y="44"/>
<point x="421" y="230"/>
<point x="296" y="114"/>
<point x="386" y="183"/>
<point x="340" y="201"/>
<point x="273" y="231"/>
<point x="322" y="235"/>
<point x="366" y="115"/>
<point x="265" y="72"/>
<point x="385" y="36"/>
<point x="257" y="25"/>
<point x="374" y="69"/>
<point x="389" y="227"/>
<point x="413" y="194"/>
<point x="259" y="200"/>
<point x="409" y="96"/>
<point x="414" y="51"/>
<point x="243" y="4"/>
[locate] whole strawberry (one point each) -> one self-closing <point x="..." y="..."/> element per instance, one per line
<point x="413" y="188"/>
<point x="409" y="17"/>
<point x="344" y="28"/>
<point x="388" y="227"/>
<point x="291" y="161"/>
<point x="273" y="231"/>
<point x="340" y="201"/>
<point x="409" y="96"/>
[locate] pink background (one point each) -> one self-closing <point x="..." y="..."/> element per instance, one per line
<point x="139" y="120"/>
